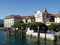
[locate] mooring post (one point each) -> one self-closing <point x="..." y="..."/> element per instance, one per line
<point x="38" y="36"/>
<point x="55" y="38"/>
<point x="21" y="31"/>
<point x="45" y="37"/>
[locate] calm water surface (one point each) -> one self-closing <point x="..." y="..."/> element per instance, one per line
<point x="17" y="39"/>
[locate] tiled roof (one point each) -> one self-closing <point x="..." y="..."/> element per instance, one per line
<point x="27" y="17"/>
<point x="55" y="15"/>
<point x="13" y="16"/>
<point x="45" y="13"/>
<point x="19" y="17"/>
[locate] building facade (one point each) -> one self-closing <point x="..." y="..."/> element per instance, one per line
<point x="11" y="20"/>
<point x="44" y="17"/>
<point x="38" y="16"/>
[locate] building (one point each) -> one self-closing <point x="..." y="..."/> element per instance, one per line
<point x="11" y="20"/>
<point x="44" y="17"/>
<point x="38" y="16"/>
<point x="57" y="18"/>
<point x="27" y="19"/>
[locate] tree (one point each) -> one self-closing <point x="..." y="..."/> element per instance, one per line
<point x="34" y="26"/>
<point x="19" y="25"/>
<point x="54" y="27"/>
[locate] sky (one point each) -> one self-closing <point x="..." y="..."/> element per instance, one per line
<point x="27" y="7"/>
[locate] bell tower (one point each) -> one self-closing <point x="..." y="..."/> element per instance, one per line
<point x="45" y="10"/>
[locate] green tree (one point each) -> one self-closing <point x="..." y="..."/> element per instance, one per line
<point x="34" y="26"/>
<point x="54" y="27"/>
<point x="19" y="25"/>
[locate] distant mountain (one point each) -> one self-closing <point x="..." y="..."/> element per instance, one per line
<point x="2" y="21"/>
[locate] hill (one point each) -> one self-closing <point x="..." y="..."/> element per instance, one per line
<point x="1" y="21"/>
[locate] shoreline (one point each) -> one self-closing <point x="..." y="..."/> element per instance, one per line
<point x="2" y="28"/>
<point x="42" y="35"/>
<point x="41" y="39"/>
<point x="31" y="35"/>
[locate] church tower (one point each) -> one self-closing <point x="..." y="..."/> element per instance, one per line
<point x="45" y="10"/>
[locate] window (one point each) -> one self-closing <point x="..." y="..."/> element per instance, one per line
<point x="26" y="21"/>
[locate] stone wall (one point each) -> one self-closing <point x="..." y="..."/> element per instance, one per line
<point x="42" y="35"/>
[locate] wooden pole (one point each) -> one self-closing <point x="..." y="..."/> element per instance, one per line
<point x="38" y="36"/>
<point x="45" y="37"/>
<point x="55" y="38"/>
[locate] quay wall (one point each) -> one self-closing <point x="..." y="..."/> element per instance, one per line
<point x="42" y="35"/>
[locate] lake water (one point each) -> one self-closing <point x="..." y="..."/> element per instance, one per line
<point x="17" y="39"/>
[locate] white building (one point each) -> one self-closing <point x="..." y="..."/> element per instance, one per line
<point x="11" y="20"/>
<point x="57" y="19"/>
<point x="27" y="19"/>
<point x="38" y="16"/>
<point x="42" y="16"/>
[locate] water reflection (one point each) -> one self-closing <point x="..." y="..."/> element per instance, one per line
<point x="18" y="39"/>
<point x="55" y="40"/>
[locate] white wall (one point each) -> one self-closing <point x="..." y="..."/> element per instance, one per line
<point x="42" y="35"/>
<point x="29" y="21"/>
<point x="24" y="20"/>
<point x="38" y="16"/>
<point x="57" y="19"/>
<point x="8" y="22"/>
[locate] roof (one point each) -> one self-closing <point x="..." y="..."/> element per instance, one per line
<point x="13" y="16"/>
<point x="27" y="17"/>
<point x="55" y="15"/>
<point x="53" y="23"/>
<point x="45" y="13"/>
<point x="19" y="17"/>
